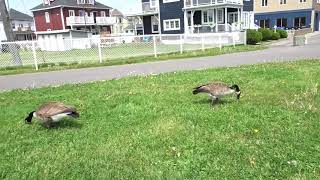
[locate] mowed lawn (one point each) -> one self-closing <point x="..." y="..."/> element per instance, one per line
<point x="154" y="128"/>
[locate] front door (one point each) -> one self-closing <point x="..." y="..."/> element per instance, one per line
<point x="232" y="17"/>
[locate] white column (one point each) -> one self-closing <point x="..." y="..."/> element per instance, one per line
<point x="186" y="26"/>
<point x="238" y="23"/>
<point x="216" y="17"/>
<point x="192" y="22"/>
<point x="241" y="18"/>
<point x="225" y="18"/>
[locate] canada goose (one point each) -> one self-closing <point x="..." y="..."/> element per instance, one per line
<point x="217" y="90"/>
<point x="52" y="112"/>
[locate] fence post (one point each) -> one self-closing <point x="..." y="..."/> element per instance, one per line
<point x="220" y="43"/>
<point x="202" y="43"/>
<point x="245" y="37"/>
<point x="34" y="55"/>
<point x="181" y="44"/>
<point x="100" y="52"/>
<point x="154" y="46"/>
<point x="233" y="40"/>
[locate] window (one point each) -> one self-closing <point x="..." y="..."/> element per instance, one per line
<point x="171" y="24"/>
<point x="13" y="26"/>
<point x="264" y="2"/>
<point x="303" y="1"/>
<point x="29" y="24"/>
<point x="71" y="12"/>
<point x="85" y="1"/>
<point x="300" y="22"/>
<point x="103" y="14"/>
<point x="282" y="22"/>
<point x="154" y="24"/>
<point x="169" y="1"/>
<point x="47" y="16"/>
<point x="82" y="13"/>
<point x="20" y="25"/>
<point x="207" y="17"/>
<point x="283" y="1"/>
<point x="220" y="15"/>
<point x="265" y="23"/>
<point x="153" y="3"/>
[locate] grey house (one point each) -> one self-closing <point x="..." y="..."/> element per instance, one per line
<point x="194" y="16"/>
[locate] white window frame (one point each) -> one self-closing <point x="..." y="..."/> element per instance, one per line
<point x="264" y="3"/>
<point x="209" y="13"/>
<point x="154" y="20"/>
<point x="175" y="28"/>
<point x="169" y="1"/>
<point x="303" y="1"/>
<point x="103" y="14"/>
<point x="155" y="3"/>
<point x="222" y="15"/>
<point x="282" y="2"/>
<point x="71" y="12"/>
<point x="47" y="17"/>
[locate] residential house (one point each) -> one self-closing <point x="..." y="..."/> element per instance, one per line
<point x="195" y="16"/>
<point x="117" y="27"/>
<point x="22" y="25"/>
<point x="287" y="14"/>
<point x="58" y="20"/>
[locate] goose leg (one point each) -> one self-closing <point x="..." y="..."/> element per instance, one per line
<point x="214" y="99"/>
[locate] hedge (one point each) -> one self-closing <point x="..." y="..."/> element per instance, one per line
<point x="253" y="36"/>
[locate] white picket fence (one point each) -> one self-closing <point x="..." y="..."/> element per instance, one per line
<point x="68" y="51"/>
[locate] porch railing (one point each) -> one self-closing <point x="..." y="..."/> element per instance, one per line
<point x="106" y="20"/>
<point x="196" y="3"/>
<point x="198" y="29"/>
<point x="79" y="20"/>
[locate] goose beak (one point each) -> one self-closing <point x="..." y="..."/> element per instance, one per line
<point x="238" y="95"/>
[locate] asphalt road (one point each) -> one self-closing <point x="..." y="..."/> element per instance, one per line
<point x="56" y="78"/>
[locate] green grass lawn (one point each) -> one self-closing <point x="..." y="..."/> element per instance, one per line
<point x="51" y="61"/>
<point x="154" y="128"/>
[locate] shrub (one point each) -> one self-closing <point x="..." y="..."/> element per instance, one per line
<point x="62" y="64"/>
<point x="283" y="33"/>
<point x="275" y="36"/>
<point x="253" y="36"/>
<point x="266" y="34"/>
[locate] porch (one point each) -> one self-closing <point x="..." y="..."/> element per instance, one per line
<point x="213" y="19"/>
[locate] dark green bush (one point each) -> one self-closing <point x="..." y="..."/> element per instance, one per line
<point x="275" y="36"/>
<point x="266" y="34"/>
<point x="63" y="64"/>
<point x="283" y="33"/>
<point x="253" y="36"/>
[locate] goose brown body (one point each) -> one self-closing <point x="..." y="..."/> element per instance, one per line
<point x="217" y="90"/>
<point x="52" y="112"/>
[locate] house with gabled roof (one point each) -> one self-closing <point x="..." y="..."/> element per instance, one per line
<point x="22" y="26"/>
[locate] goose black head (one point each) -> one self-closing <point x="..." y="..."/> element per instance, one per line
<point x="237" y="90"/>
<point x="29" y="118"/>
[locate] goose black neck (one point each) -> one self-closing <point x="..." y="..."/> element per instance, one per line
<point x="236" y="88"/>
<point x="29" y="118"/>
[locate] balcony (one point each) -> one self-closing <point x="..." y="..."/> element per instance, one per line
<point x="90" y="20"/>
<point x="200" y="3"/>
<point x="150" y="7"/>
<point x="106" y="20"/>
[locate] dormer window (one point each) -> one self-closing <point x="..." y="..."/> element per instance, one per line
<point x="86" y="2"/>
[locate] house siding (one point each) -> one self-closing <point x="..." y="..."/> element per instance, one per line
<point x="55" y="20"/>
<point x="289" y="15"/>
<point x="172" y="10"/>
<point x="274" y="5"/>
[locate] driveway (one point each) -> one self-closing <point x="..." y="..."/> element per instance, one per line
<point x="273" y="54"/>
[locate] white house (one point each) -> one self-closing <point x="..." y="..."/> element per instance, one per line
<point x="22" y="25"/>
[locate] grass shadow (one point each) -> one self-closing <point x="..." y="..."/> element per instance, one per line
<point x="220" y="102"/>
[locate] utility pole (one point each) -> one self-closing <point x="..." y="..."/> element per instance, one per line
<point x="9" y="33"/>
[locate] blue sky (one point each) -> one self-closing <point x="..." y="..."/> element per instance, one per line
<point x="125" y="6"/>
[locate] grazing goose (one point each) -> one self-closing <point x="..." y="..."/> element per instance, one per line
<point x="52" y="112"/>
<point x="217" y="90"/>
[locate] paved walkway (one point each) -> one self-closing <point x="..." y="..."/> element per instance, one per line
<point x="273" y="54"/>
